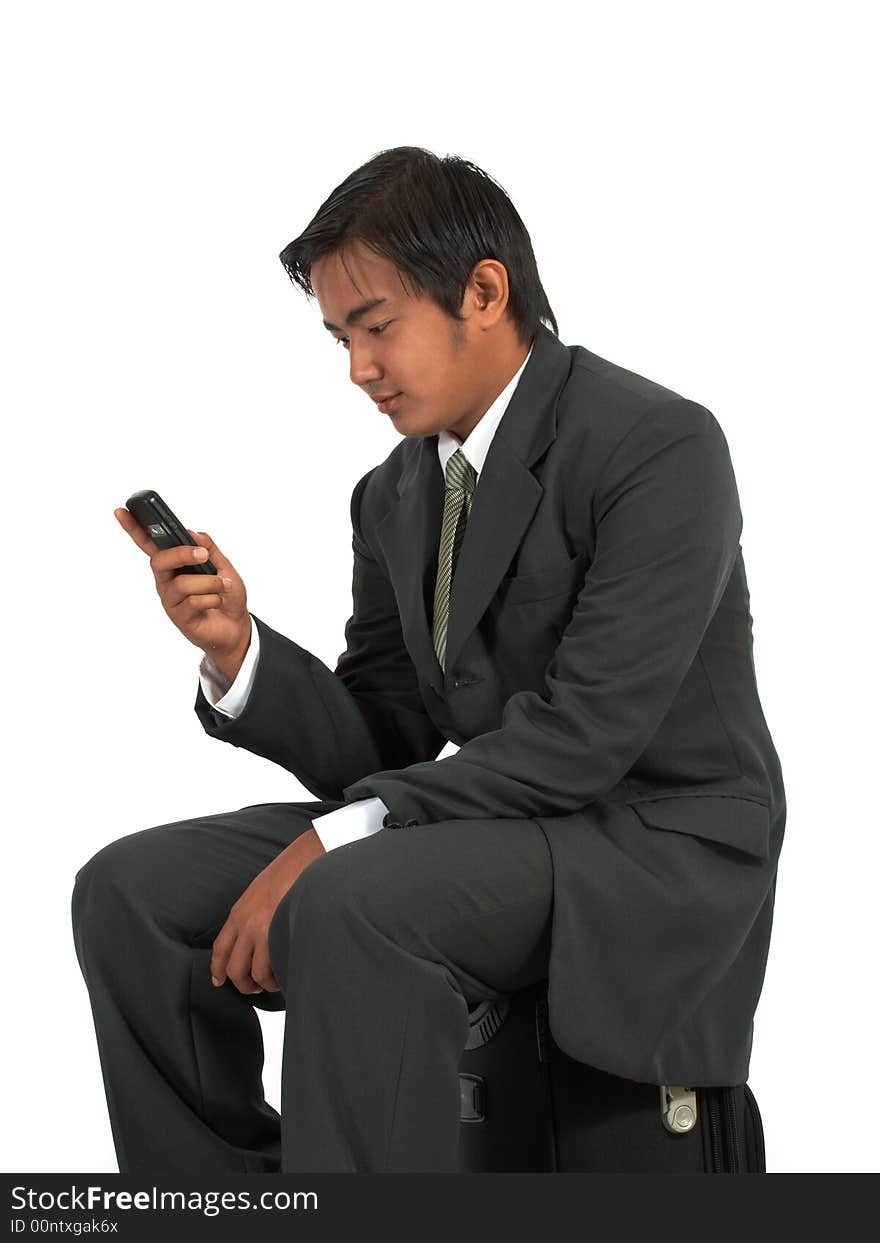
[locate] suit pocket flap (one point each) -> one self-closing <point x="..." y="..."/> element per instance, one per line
<point x="740" y="822"/>
<point x="551" y="580"/>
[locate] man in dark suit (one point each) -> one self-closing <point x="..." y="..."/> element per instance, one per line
<point x="570" y="608"/>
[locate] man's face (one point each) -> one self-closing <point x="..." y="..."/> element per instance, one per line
<point x="405" y="344"/>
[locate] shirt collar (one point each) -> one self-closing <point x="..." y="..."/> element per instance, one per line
<point x="476" y="446"/>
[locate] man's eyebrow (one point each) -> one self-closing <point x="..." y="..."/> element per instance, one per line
<point x="353" y="316"/>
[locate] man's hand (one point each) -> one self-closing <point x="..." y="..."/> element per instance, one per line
<point x="209" y="609"/>
<point x="241" y="949"/>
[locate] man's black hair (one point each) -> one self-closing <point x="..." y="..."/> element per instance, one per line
<point x="434" y="219"/>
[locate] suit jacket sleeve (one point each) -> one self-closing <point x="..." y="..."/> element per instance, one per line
<point x="667" y="524"/>
<point x="329" y="727"/>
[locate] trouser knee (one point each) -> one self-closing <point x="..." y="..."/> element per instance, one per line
<point x="100" y="898"/>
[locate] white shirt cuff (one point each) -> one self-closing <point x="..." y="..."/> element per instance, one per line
<point x="350" y="823"/>
<point x="229" y="698"/>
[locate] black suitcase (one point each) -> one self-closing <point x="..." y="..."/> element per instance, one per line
<point x="527" y="1106"/>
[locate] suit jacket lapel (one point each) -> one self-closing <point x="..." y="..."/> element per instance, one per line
<point x="409" y="535"/>
<point x="505" y="499"/>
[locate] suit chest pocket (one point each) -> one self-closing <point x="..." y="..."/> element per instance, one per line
<point x="557" y="579"/>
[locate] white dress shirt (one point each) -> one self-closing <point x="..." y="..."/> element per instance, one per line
<point x="365" y="816"/>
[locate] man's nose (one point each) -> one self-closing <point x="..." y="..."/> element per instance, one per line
<point x="362" y="367"/>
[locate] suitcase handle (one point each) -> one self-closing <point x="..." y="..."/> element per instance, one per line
<point x="485" y="1019"/>
<point x="678" y="1108"/>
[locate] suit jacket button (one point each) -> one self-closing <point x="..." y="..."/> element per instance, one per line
<point x="388" y="822"/>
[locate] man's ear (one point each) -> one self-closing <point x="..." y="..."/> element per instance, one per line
<point x="489" y="284"/>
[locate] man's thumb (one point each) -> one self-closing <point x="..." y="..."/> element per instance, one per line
<point x="205" y="541"/>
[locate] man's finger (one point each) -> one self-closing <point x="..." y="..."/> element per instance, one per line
<point x="167" y="561"/>
<point x="220" y="951"/>
<point x="180" y="587"/>
<point x="129" y="523"/>
<point x="261" y="969"/>
<point x="238" y="967"/>
<point x="216" y="557"/>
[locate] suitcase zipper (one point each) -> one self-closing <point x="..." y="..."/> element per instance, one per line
<point x="724" y="1133"/>
<point x="760" y="1158"/>
<point x="713" y="1116"/>
<point x="735" y="1161"/>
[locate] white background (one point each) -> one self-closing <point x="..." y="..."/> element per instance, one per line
<point x="696" y="182"/>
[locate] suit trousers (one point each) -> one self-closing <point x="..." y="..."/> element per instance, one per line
<point x="379" y="948"/>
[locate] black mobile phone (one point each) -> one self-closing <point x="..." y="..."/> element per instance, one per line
<point x="164" y="527"/>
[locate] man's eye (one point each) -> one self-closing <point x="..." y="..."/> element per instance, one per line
<point x="376" y="330"/>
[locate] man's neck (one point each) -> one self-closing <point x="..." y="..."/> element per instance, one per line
<point x="508" y="373"/>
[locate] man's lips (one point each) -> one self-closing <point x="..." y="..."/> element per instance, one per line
<point x="385" y="403"/>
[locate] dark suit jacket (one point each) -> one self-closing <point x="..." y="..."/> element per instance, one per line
<point x="599" y="681"/>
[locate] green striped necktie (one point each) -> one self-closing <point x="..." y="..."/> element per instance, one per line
<point x="461" y="479"/>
